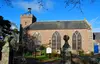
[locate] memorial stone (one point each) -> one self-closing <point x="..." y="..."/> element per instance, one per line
<point x="5" y="52"/>
<point x="65" y="51"/>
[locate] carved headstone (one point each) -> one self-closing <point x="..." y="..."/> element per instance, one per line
<point x="65" y="51"/>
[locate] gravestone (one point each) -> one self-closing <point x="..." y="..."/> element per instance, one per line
<point x="65" y="51"/>
<point x="5" y="53"/>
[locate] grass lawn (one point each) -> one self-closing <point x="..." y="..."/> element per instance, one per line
<point x="47" y="59"/>
<point x="44" y="58"/>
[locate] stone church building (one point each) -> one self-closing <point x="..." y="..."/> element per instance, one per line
<point x="52" y="32"/>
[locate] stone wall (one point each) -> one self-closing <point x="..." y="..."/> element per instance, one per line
<point x="5" y="54"/>
<point x="46" y="36"/>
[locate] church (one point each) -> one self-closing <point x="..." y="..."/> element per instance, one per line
<point x="51" y="33"/>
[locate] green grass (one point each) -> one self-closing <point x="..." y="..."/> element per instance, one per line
<point x="41" y="57"/>
<point x="44" y="58"/>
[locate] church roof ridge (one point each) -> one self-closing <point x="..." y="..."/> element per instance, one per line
<point x="57" y="20"/>
<point x="65" y="24"/>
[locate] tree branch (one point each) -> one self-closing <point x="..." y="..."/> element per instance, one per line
<point x="76" y="4"/>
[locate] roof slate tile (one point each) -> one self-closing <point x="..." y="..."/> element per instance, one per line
<point x="59" y="25"/>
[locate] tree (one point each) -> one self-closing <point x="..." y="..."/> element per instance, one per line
<point x="29" y="42"/>
<point x="74" y="3"/>
<point x="11" y="34"/>
<point x="7" y="2"/>
<point x="4" y="29"/>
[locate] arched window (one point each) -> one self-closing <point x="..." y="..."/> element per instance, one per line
<point x="37" y="38"/>
<point x="56" y="41"/>
<point x="76" y="41"/>
<point x="79" y="41"/>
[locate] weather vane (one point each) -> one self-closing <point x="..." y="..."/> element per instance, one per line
<point x="29" y="10"/>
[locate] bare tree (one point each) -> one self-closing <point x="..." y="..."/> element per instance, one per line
<point x="7" y="2"/>
<point x="74" y="3"/>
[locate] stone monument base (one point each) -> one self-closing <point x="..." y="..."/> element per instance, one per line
<point x="5" y="58"/>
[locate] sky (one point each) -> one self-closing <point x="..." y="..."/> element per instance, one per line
<point x="56" y="11"/>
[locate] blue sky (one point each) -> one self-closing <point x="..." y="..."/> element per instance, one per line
<point x="56" y="11"/>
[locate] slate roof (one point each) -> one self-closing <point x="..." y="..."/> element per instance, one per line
<point x="96" y="36"/>
<point x="81" y="24"/>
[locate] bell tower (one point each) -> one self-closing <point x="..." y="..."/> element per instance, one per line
<point x="27" y="18"/>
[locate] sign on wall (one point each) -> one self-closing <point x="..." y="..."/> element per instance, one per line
<point x="96" y="50"/>
<point x="48" y="50"/>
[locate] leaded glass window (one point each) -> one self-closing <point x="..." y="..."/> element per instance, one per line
<point x="56" y="41"/>
<point x="37" y="38"/>
<point x="76" y="41"/>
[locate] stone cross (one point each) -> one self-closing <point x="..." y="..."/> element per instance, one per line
<point x="65" y="51"/>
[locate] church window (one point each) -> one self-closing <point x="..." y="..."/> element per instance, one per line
<point x="76" y="41"/>
<point x="79" y="41"/>
<point x="38" y="38"/>
<point x="56" y="40"/>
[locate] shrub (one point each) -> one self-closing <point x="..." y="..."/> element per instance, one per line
<point x="28" y="54"/>
<point x="81" y="52"/>
<point x="43" y="52"/>
<point x="42" y="47"/>
<point x="54" y="54"/>
<point x="90" y="54"/>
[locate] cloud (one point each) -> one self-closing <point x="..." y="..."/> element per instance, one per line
<point x="34" y="5"/>
<point x="94" y="20"/>
<point x="95" y="23"/>
<point x="96" y="29"/>
<point x="49" y="4"/>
